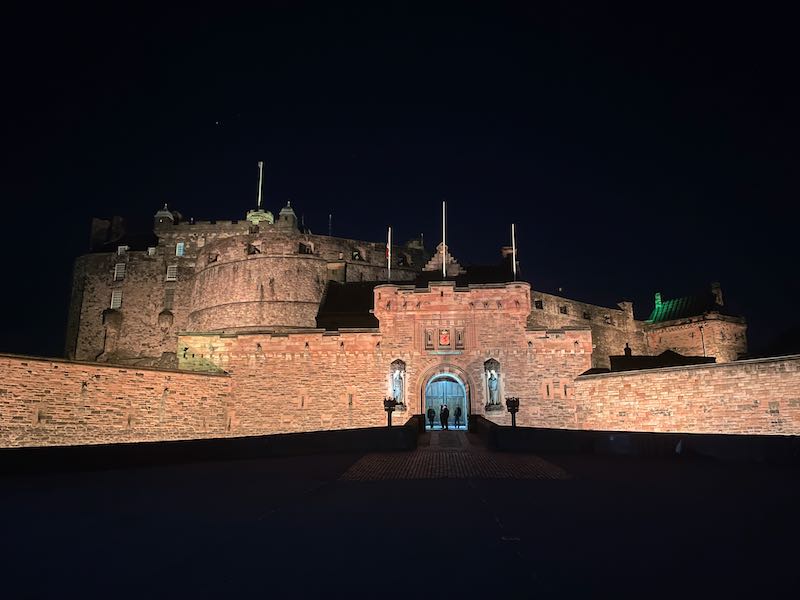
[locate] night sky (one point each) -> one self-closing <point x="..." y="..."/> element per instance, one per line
<point x="638" y="149"/>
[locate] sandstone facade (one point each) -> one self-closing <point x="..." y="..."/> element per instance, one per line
<point x="237" y="276"/>
<point x="210" y="330"/>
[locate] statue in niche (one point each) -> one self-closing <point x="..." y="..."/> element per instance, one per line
<point x="428" y="337"/>
<point x="491" y="368"/>
<point x="398" y="381"/>
<point x="492" y="382"/>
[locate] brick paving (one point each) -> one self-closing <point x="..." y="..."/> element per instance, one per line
<point x="451" y="455"/>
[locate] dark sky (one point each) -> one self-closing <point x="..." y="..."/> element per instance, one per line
<point x="639" y="149"/>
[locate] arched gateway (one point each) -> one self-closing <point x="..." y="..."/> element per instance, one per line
<point x="446" y="386"/>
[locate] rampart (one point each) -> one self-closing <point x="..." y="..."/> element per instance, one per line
<point x="283" y="387"/>
<point x="52" y="402"/>
<point x="760" y="396"/>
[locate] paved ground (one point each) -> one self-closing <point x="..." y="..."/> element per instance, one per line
<point x="334" y="526"/>
<point x="451" y="455"/>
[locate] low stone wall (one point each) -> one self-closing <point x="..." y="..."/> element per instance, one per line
<point x="314" y="382"/>
<point x="776" y="449"/>
<point x="760" y="396"/>
<point x="115" y="456"/>
<point x="51" y="402"/>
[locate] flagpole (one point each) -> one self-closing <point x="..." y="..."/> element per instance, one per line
<point x="260" y="179"/>
<point x="514" y="251"/>
<point x="389" y="253"/>
<point x="444" y="244"/>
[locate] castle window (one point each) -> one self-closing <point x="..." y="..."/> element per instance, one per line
<point x="121" y="250"/>
<point x="116" y="299"/>
<point x="119" y="271"/>
<point x="151" y="251"/>
<point x="169" y="298"/>
<point x="180" y="248"/>
<point x="562" y="310"/>
<point x="607" y="319"/>
<point x="172" y="273"/>
<point x="538" y="304"/>
<point x="587" y="314"/>
<point x="357" y="255"/>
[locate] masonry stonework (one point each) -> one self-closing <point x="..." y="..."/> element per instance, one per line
<point x="759" y="396"/>
<point x="49" y="402"/>
<point x="213" y="329"/>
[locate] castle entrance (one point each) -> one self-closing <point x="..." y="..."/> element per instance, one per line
<point x="446" y="389"/>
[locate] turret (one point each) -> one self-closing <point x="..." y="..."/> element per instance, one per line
<point x="287" y="218"/>
<point x="163" y="217"/>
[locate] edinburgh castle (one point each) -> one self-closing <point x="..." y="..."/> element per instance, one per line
<point x="234" y="328"/>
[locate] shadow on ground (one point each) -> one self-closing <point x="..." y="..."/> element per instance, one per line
<point x="296" y="526"/>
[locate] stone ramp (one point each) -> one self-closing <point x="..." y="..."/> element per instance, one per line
<point x="451" y="455"/>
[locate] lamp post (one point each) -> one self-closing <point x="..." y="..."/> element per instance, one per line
<point x="512" y="404"/>
<point x="388" y="406"/>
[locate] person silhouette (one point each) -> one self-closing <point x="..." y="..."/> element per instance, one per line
<point x="444" y="415"/>
<point x="431" y="416"/>
<point x="457" y="415"/>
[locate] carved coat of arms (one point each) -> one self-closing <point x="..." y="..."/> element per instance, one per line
<point x="444" y="337"/>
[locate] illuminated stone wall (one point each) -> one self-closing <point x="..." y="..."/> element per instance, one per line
<point x="760" y="396"/>
<point x="251" y="383"/>
<point x="48" y="402"/>
<point x="230" y="277"/>
<point x="318" y="380"/>
<point x="722" y="337"/>
<point x="611" y="328"/>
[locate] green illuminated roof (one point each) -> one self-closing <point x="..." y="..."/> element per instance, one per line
<point x="681" y="308"/>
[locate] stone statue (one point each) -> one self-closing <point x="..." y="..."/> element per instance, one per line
<point x="397" y="385"/>
<point x="492" y="383"/>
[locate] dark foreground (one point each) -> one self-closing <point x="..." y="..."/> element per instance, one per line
<point x="313" y="526"/>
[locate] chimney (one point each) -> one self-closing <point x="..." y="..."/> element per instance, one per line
<point x="717" y="291"/>
<point x="658" y="299"/>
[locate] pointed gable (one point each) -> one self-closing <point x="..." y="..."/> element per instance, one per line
<point x="451" y="264"/>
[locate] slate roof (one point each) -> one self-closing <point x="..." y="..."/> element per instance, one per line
<point x="474" y="274"/>
<point x="681" y="308"/>
<point x="347" y="305"/>
<point x="668" y="358"/>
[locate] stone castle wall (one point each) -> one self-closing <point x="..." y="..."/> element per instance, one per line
<point x="716" y="335"/>
<point x="219" y="285"/>
<point x="237" y="277"/>
<point x="612" y="328"/>
<point x="760" y="396"/>
<point x="322" y="380"/>
<point x="285" y="387"/>
<point x="51" y="402"/>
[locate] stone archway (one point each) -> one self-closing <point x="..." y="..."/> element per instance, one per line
<point x="446" y="389"/>
<point x="443" y="371"/>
